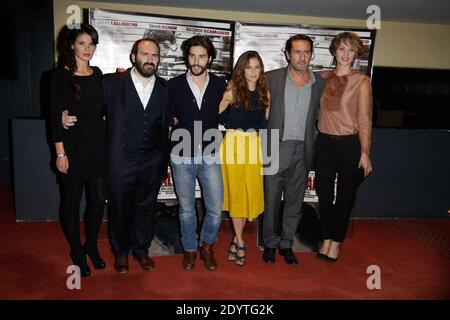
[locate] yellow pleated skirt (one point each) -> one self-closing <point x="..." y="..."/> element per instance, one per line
<point x="243" y="187"/>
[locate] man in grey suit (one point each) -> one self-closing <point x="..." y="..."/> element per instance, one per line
<point x="294" y="106"/>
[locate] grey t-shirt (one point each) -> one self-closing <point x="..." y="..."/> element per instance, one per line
<point x="296" y="106"/>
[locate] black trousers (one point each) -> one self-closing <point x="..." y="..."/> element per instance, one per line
<point x="337" y="155"/>
<point x="70" y="217"/>
<point x="133" y="196"/>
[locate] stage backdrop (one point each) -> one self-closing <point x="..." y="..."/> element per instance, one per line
<point x="118" y="30"/>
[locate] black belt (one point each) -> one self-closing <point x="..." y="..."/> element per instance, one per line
<point x="340" y="137"/>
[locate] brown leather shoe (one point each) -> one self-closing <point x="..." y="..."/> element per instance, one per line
<point x="121" y="264"/>
<point x="189" y="260"/>
<point x="207" y="255"/>
<point x="146" y="263"/>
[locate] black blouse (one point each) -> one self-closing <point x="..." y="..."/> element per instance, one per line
<point x="237" y="117"/>
<point x="85" y="142"/>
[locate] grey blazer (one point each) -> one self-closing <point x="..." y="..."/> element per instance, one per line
<point x="277" y="83"/>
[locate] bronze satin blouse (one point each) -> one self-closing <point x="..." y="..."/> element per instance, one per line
<point x="346" y="106"/>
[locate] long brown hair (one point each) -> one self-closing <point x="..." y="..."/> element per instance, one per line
<point x="241" y="96"/>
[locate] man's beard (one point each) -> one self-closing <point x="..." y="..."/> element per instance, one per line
<point x="202" y="69"/>
<point x="147" y="73"/>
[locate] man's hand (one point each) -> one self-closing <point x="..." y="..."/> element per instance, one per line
<point x="66" y="120"/>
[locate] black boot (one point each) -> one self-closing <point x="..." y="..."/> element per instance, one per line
<point x="93" y="254"/>
<point x="289" y="256"/>
<point x="269" y="255"/>
<point x="81" y="261"/>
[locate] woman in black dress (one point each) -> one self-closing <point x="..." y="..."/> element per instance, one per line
<point x="80" y="152"/>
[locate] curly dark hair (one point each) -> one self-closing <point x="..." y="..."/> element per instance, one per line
<point x="66" y="38"/>
<point x="241" y="95"/>
<point x="160" y="35"/>
<point x="203" y="41"/>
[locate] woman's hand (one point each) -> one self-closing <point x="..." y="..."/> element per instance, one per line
<point x="365" y="163"/>
<point x="62" y="164"/>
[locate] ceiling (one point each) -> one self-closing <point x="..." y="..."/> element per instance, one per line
<point x="419" y="11"/>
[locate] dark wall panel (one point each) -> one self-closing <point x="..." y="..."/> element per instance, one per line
<point x="411" y="175"/>
<point x="36" y="187"/>
<point x="31" y="42"/>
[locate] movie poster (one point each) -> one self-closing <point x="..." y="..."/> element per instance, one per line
<point x="119" y="30"/>
<point x="269" y="41"/>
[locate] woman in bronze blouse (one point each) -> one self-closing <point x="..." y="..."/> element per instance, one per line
<point x="343" y="143"/>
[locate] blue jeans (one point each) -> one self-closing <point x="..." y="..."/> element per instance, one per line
<point x="210" y="178"/>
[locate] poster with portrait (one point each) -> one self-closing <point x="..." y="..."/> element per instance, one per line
<point x="269" y="40"/>
<point x="118" y="30"/>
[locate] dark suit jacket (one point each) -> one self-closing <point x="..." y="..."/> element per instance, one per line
<point x="277" y="83"/>
<point x="115" y="92"/>
<point x="185" y="107"/>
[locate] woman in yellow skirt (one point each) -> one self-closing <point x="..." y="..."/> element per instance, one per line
<point x="246" y="102"/>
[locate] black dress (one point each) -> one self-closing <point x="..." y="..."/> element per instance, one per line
<point x="85" y="146"/>
<point x="84" y="143"/>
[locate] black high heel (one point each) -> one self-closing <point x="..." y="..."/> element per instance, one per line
<point x="81" y="262"/>
<point x="321" y="256"/>
<point x="240" y="260"/>
<point x="231" y="252"/>
<point x="330" y="259"/>
<point x="97" y="261"/>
